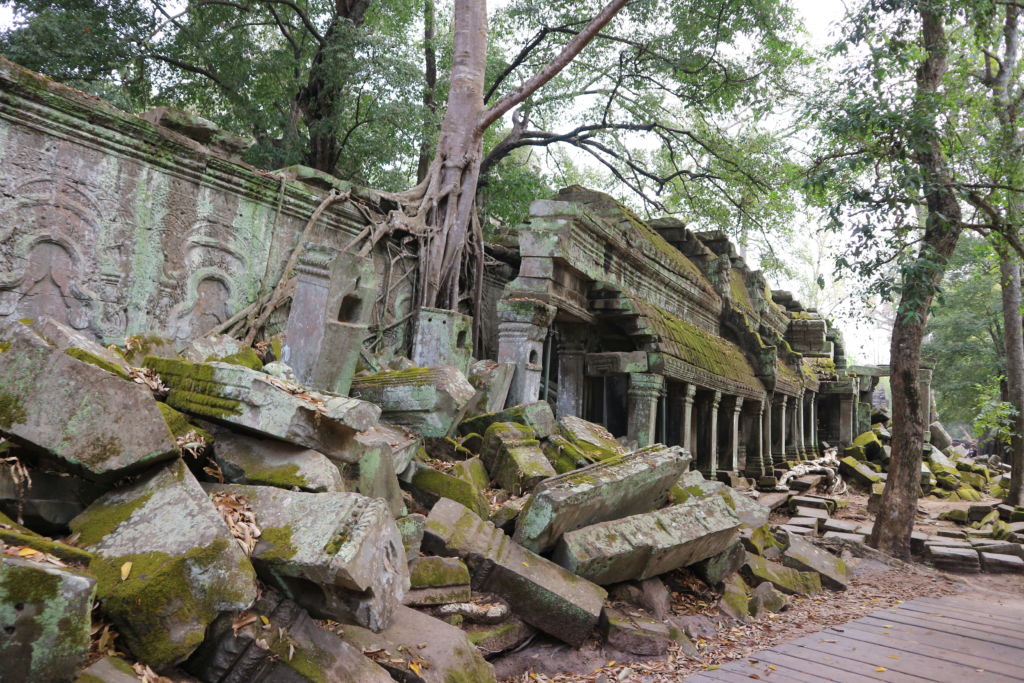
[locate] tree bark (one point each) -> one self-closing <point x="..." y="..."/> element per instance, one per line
<point x="895" y="520"/>
<point x="429" y="87"/>
<point x="1009" y="270"/>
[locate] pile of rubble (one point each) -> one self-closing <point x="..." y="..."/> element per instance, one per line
<point x="230" y="523"/>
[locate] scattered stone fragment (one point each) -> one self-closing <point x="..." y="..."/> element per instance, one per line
<point x="411" y="529"/>
<point x="437" y="580"/>
<point x="817" y="502"/>
<point x="45" y="614"/>
<point x="714" y="570"/>
<point x="756" y="570"/>
<point x="963" y="560"/>
<point x="618" y="487"/>
<point x="504" y="517"/>
<point x="165" y="562"/>
<point x="810" y="523"/>
<point x="799" y="530"/>
<point x="426" y="400"/>
<point x="398" y="444"/>
<point x="858" y="472"/>
<point x="240" y="396"/>
<point x="269" y="462"/>
<point x="941" y="439"/>
<point x="288" y="646"/>
<point x="109" y="669"/>
<point x="697" y="626"/>
<point x="805" y="556"/>
<point x="950" y="533"/>
<point x="538" y="416"/>
<point x="650" y="595"/>
<point x="213" y="347"/>
<point x="494" y="638"/>
<point x="340" y="555"/>
<point x="419" y="648"/>
<point x="373" y="475"/>
<point x="473" y="471"/>
<point x="766" y="598"/>
<point x="430" y="484"/>
<point x="735" y="600"/>
<point x="513" y="457"/>
<point x="649" y="544"/>
<point x="847" y="536"/>
<point x="995" y="562"/>
<point x="540" y="592"/>
<point x="491" y="381"/>
<point x="13" y="533"/>
<point x="634" y="633"/>
<point x="813" y="513"/>
<point x="958" y="515"/>
<point x="947" y="543"/>
<point x="79" y="415"/>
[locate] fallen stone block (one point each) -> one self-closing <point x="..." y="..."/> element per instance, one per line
<point x="14" y="534"/>
<point x="592" y="440"/>
<point x="1000" y="547"/>
<point x="399" y="444"/>
<point x="411" y="529"/>
<point x="288" y="646"/>
<point x="962" y="560"/>
<point x="735" y="600"/>
<point x="846" y="536"/>
<point x="74" y="413"/>
<point x="947" y="543"/>
<point x="240" y="396"/>
<point x="635" y="634"/>
<point x="871" y="444"/>
<point x="858" y="472"/>
<point x="810" y="523"/>
<point x="513" y="457"/>
<point x="714" y="570"/>
<point x="77" y="345"/>
<point x="372" y="474"/>
<point x="430" y="484"/>
<point x="437" y="581"/>
<point x="766" y="598"/>
<point x="649" y="544"/>
<point x="950" y="533"/>
<point x="650" y="595"/>
<point x="941" y="439"/>
<point x="247" y="459"/>
<point x="419" y="648"/>
<point x="340" y="555"/>
<point x="210" y="348"/>
<point x="537" y="415"/>
<point x="798" y="530"/>
<point x="618" y="487"/>
<point x="813" y="513"/>
<point x="45" y="613"/>
<point x="495" y="638"/>
<point x="805" y="556"/>
<point x="165" y="562"/>
<point x="543" y="594"/>
<point x="505" y="517"/>
<point x="109" y="669"/>
<point x="51" y="502"/>
<point x="998" y="563"/>
<point x="694" y="485"/>
<point x="473" y="471"/>
<point x="827" y="504"/>
<point x="492" y="381"/>
<point x="757" y="570"/>
<point x="427" y="401"/>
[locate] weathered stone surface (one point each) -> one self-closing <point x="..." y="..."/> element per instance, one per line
<point x="618" y="487"/>
<point x="13" y="533"/>
<point x="399" y="444"/>
<point x="540" y="592"/>
<point x="210" y="348"/>
<point x="593" y="440"/>
<point x="513" y="457"/>
<point x="373" y="475"/>
<point x="649" y="594"/>
<point x="427" y="401"/>
<point x="858" y="472"/>
<point x="537" y="415"/>
<point x="411" y="529"/>
<point x="756" y="570"/>
<point x="964" y="560"/>
<point x="839" y="525"/>
<point x="339" y="554"/>
<point x="634" y="633"/>
<point x="447" y="657"/>
<point x="996" y="562"/>
<point x="941" y="439"/>
<point x="269" y="462"/>
<point x="292" y="648"/>
<point x="735" y="600"/>
<point x="51" y="502"/>
<point x="827" y="504"/>
<point x="437" y="580"/>
<point x="492" y="381"/>
<point x="805" y="556"/>
<point x="495" y="638"/>
<point x="715" y="569"/>
<point x="847" y="536"/>
<point x="442" y="337"/>
<point x="185" y="568"/>
<point x="473" y="471"/>
<point x="648" y="544"/>
<point x="45" y="614"/>
<point x="766" y="598"/>
<point x="430" y="484"/>
<point x="110" y="669"/>
<point x="78" y="345"/>
<point x="810" y="523"/>
<point x="76" y="413"/>
<point x="693" y="484"/>
<point x="240" y="396"/>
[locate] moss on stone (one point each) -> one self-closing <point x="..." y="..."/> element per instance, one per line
<point x="445" y="486"/>
<point x="275" y="544"/>
<point x="100" y="519"/>
<point x="98" y="361"/>
<point x="12" y="412"/>
<point x="246" y="357"/>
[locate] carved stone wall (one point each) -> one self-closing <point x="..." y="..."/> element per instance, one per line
<point x="117" y="226"/>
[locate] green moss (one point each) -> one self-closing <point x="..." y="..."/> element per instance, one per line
<point x="276" y="544"/>
<point x="32" y="540"/>
<point x="88" y="678"/>
<point x="445" y="486"/>
<point x="194" y="388"/>
<point x="98" y="361"/>
<point x="5" y="346"/>
<point x="246" y="357"/>
<point x="12" y="411"/>
<point x="477" y="637"/>
<point x="25" y="585"/>
<point x="100" y="519"/>
<point x="434" y="572"/>
<point x="738" y="291"/>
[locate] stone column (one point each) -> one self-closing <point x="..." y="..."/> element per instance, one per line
<point x="924" y="384"/>
<point x="690" y="392"/>
<point x="779" y="453"/>
<point x="766" y="434"/>
<point x="798" y="440"/>
<point x="571" y="346"/>
<point x="755" y="456"/>
<point x="710" y="469"/>
<point x="733" y="453"/>
<point x="644" y="391"/>
<point x="522" y="327"/>
<point x="812" y="431"/>
<point x="847" y="406"/>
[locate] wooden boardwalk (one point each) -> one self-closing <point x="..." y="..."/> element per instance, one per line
<point x="948" y="639"/>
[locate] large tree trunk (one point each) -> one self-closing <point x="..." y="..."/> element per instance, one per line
<point x="895" y="520"/>
<point x="429" y="87"/>
<point x="1009" y="270"/>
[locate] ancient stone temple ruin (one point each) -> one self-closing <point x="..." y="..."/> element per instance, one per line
<point x="186" y="340"/>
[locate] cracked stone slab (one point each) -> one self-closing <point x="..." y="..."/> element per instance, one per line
<point x="75" y="412"/>
<point x="339" y="554"/>
<point x="618" y="487"/>
<point x="250" y="399"/>
<point x="427" y="401"/>
<point x="540" y="592"/>
<point x="651" y="543"/>
<point x="185" y="567"/>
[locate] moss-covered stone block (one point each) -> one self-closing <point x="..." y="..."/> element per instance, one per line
<point x="15" y="534"/>
<point x="735" y="600"/>
<point x="756" y="570"/>
<point x="858" y="472"/>
<point x="537" y="415"/>
<point x="433" y="484"/>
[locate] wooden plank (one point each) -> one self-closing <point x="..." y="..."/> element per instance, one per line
<point x="952" y="642"/>
<point x="957" y="629"/>
<point x="719" y="675"/>
<point x="763" y="669"/>
<point x="978" y="616"/>
<point x="963" y="624"/>
<point x="843" y="669"/>
<point x="889" y="656"/>
<point x="789" y="665"/>
<point x="1008" y="609"/>
<point x="909" y="642"/>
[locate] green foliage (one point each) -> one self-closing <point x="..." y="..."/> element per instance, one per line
<point x="995" y="417"/>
